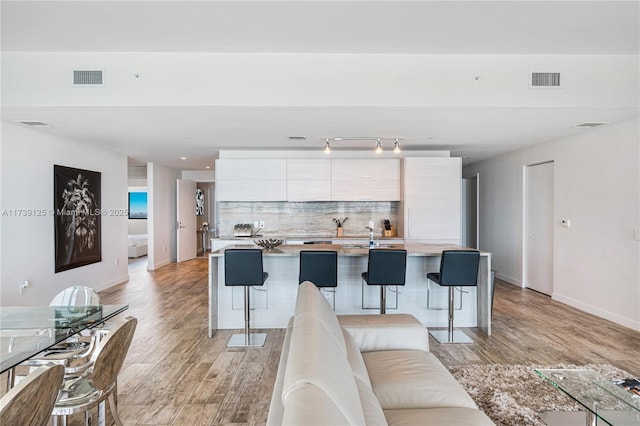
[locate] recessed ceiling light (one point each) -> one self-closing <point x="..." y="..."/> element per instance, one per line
<point x="183" y="158"/>
<point x="207" y="167"/>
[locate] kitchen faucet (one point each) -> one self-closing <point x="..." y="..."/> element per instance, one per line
<point x="372" y="244"/>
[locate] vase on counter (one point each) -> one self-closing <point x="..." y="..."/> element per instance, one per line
<point x="340" y="231"/>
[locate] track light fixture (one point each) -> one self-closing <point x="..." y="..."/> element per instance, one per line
<point x="378" y="147"/>
<point x="379" y="140"/>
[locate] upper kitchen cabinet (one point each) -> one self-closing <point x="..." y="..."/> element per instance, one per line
<point x="251" y="180"/>
<point x="365" y="180"/>
<point x="432" y="199"/>
<point x="308" y="180"/>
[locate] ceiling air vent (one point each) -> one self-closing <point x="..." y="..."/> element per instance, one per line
<point x="297" y="138"/>
<point x="545" y="79"/>
<point x="87" y="78"/>
<point x="591" y="124"/>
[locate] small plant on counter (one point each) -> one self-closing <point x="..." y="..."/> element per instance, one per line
<point x="339" y="221"/>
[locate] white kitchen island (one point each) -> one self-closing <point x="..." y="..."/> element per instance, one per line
<point x="273" y="303"/>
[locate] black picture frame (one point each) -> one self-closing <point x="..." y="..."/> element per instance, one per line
<point x="138" y="205"/>
<point x="77" y="218"/>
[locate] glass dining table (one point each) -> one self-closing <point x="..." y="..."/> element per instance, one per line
<point x="26" y="331"/>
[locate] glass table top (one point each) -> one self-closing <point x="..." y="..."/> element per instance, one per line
<point x="602" y="397"/>
<point x="28" y="330"/>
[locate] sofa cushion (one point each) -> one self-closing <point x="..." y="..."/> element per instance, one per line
<point x="309" y="405"/>
<point x="459" y="416"/>
<point x="413" y="379"/>
<point x="355" y="359"/>
<point x="310" y="301"/>
<point x="316" y="358"/>
<point x="373" y="414"/>
<point x="276" y="409"/>
<point x="386" y="332"/>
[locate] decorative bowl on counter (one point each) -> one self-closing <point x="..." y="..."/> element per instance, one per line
<point x="269" y="244"/>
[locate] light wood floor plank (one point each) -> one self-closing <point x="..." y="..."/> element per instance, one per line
<point x="175" y="375"/>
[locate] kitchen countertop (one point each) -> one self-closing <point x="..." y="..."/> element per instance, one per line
<point x="308" y="238"/>
<point x="291" y="250"/>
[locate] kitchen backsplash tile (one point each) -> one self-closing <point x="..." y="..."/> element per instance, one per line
<point x="307" y="219"/>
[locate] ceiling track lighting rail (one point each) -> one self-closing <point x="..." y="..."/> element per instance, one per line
<point x="378" y="147"/>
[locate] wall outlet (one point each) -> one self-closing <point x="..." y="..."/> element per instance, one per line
<point x="565" y="223"/>
<point x="261" y="224"/>
<point x="371" y="224"/>
<point x="24" y="285"/>
<point x="256" y="224"/>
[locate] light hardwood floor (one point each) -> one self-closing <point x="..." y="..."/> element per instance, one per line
<point x="175" y="374"/>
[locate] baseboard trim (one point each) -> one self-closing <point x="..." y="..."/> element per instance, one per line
<point x="159" y="265"/>
<point x="618" y="319"/>
<point x="121" y="279"/>
<point x="509" y="280"/>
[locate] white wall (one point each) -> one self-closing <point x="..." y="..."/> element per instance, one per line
<point x="596" y="187"/>
<point x="162" y="248"/>
<point x="27" y="242"/>
<point x="281" y="79"/>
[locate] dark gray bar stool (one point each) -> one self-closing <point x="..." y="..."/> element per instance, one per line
<point x="243" y="267"/>
<point x="321" y="268"/>
<point x="458" y="268"/>
<point x="386" y="267"/>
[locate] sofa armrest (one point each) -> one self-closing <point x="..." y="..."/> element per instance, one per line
<point x="386" y="332"/>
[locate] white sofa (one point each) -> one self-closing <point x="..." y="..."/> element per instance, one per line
<point x="363" y="370"/>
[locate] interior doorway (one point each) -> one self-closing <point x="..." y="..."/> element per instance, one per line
<point x="538" y="227"/>
<point x="186" y="218"/>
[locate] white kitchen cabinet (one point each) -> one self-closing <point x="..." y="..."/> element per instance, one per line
<point x="308" y="169"/>
<point x="251" y="180"/>
<point x="251" y="169"/>
<point x="365" y="180"/>
<point x="308" y="180"/>
<point x="432" y="199"/>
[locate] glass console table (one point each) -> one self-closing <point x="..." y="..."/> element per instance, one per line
<point x="604" y="401"/>
<point x="28" y="330"/>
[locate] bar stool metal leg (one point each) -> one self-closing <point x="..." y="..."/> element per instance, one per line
<point x="383" y="299"/>
<point x="247" y="339"/>
<point x="450" y="335"/>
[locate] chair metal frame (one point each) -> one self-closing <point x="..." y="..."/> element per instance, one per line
<point x="98" y="383"/>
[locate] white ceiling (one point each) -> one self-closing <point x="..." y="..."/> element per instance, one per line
<point x="475" y="131"/>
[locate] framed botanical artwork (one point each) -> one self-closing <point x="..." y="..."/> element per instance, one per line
<point x="76" y="202"/>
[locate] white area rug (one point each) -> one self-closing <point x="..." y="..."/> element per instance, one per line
<point x="514" y="394"/>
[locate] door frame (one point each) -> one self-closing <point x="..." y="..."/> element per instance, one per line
<point x="523" y="282"/>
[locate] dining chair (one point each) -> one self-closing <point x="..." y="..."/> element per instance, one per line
<point x="77" y="347"/>
<point x="97" y="383"/>
<point x="31" y="401"/>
